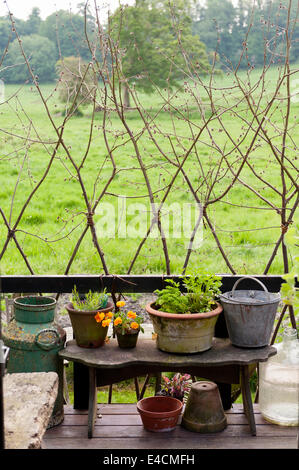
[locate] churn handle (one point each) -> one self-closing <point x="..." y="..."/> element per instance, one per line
<point x="250" y="277"/>
<point x="47" y="346"/>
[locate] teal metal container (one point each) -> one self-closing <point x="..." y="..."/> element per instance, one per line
<point x="34" y="341"/>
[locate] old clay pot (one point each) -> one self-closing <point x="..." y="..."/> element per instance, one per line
<point x="88" y="333"/>
<point x="183" y="333"/>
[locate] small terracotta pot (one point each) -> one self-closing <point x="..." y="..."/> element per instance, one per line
<point x="128" y="340"/>
<point x="88" y="333"/>
<point x="159" y="414"/>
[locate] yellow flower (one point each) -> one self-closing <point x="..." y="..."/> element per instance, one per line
<point x="134" y="325"/>
<point x="99" y="317"/>
<point x="120" y="303"/>
<point x="106" y="322"/>
<point x="118" y="321"/>
<point x="131" y="315"/>
<point x="109" y="315"/>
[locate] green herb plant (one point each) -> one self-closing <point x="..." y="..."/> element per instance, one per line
<point x="92" y="300"/>
<point x="201" y="292"/>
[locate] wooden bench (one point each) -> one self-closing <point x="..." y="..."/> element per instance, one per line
<point x="223" y="362"/>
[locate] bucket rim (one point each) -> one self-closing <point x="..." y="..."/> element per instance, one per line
<point x="272" y="298"/>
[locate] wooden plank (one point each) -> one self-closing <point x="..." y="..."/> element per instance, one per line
<point x="72" y="433"/>
<point x="130" y="408"/>
<point x="131" y="430"/>
<point x="121" y="283"/>
<point x="203" y="442"/>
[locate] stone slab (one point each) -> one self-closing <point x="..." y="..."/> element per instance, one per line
<point x="28" y="404"/>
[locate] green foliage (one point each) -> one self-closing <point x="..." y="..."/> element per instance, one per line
<point x="202" y="289"/>
<point x="170" y="299"/>
<point x="92" y="301"/>
<point x="150" y="52"/>
<point x="67" y="31"/>
<point x="36" y="49"/>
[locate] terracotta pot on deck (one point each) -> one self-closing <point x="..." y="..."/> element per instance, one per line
<point x="204" y="410"/>
<point x="159" y="414"/>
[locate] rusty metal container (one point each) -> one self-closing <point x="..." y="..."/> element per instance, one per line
<point x="34" y="340"/>
<point x="204" y="411"/>
<point x="249" y="315"/>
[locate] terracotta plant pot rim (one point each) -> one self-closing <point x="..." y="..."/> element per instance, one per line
<point x="70" y="308"/>
<point x="183" y="316"/>
<point x="160" y="414"/>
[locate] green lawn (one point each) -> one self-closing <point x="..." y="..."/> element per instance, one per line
<point x="54" y="219"/>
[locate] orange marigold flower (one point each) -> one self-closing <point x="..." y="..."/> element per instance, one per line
<point x="134" y="325"/>
<point x="99" y="317"/>
<point x="131" y="315"/>
<point x="120" y="303"/>
<point x="106" y="322"/>
<point x="118" y="321"/>
<point x="109" y="315"/>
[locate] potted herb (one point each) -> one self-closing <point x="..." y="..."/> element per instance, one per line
<point x="90" y="317"/>
<point x="127" y="326"/>
<point x="185" y="322"/>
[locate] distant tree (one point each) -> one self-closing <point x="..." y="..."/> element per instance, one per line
<point x="77" y="83"/>
<point x="214" y="21"/>
<point x="152" y="54"/>
<point x="40" y="52"/>
<point x="34" y="21"/>
<point x="67" y="31"/>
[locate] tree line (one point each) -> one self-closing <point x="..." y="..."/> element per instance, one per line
<point x="148" y="32"/>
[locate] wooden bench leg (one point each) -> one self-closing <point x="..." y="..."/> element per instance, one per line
<point x="246" y="395"/>
<point x="92" y="402"/>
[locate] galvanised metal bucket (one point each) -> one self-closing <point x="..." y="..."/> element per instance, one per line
<point x="249" y="315"/>
<point x="34" y="341"/>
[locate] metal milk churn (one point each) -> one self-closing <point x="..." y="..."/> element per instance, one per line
<point x="34" y="341"/>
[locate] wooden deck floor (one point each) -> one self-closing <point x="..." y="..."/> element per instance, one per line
<point x="119" y="427"/>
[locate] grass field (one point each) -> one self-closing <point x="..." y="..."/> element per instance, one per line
<point x="48" y="241"/>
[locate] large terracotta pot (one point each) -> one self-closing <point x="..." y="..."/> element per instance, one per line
<point x="88" y="333"/>
<point x="159" y="414"/>
<point x="183" y="333"/>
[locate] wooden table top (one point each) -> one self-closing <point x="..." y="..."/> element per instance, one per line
<point x="111" y="356"/>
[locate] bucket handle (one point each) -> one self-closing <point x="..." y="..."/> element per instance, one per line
<point x="250" y="277"/>
<point x="47" y="345"/>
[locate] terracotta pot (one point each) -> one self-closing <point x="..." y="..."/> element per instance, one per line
<point x="159" y="414"/>
<point x="128" y="340"/>
<point x="88" y="333"/>
<point x="204" y="411"/>
<point x="183" y="333"/>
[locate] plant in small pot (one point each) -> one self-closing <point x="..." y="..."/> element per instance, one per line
<point x="177" y="387"/>
<point x="90" y="318"/>
<point x="127" y="325"/>
<point x="185" y="322"/>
